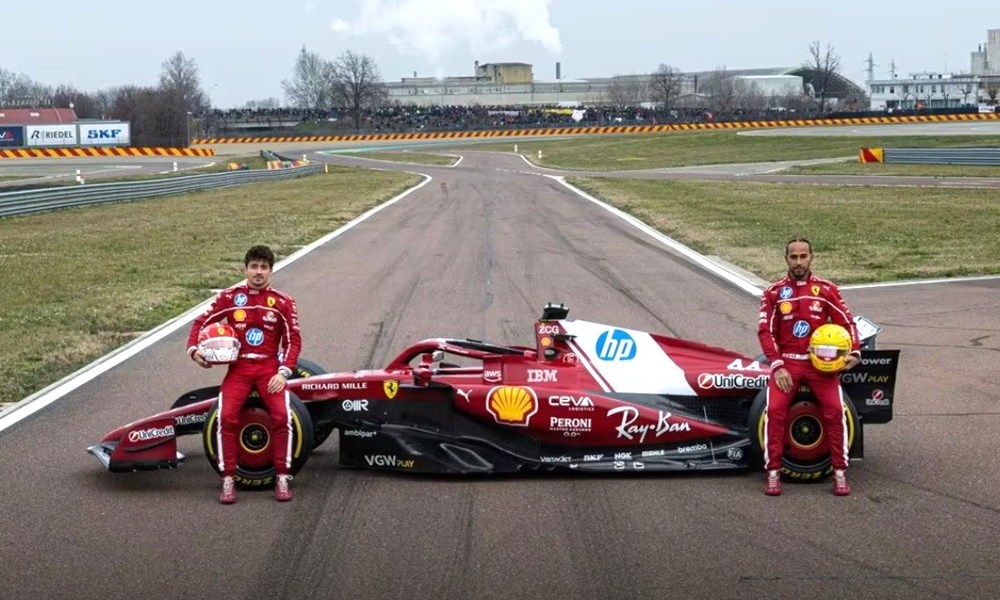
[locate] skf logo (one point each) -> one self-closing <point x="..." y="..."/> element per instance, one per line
<point x="390" y="387"/>
<point x="512" y="405"/>
<point x="103" y="134"/>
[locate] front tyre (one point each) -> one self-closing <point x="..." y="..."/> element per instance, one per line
<point x="254" y="450"/>
<point x="806" y="453"/>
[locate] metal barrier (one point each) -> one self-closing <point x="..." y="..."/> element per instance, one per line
<point x="35" y="201"/>
<point x="943" y="156"/>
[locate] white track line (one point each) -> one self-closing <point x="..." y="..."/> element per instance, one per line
<point x="699" y="260"/>
<point x="39" y="400"/>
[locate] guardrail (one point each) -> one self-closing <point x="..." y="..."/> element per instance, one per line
<point x="35" y="201"/>
<point x="983" y="156"/>
<point x="943" y="156"/>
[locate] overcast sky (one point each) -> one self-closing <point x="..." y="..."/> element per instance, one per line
<point x="244" y="49"/>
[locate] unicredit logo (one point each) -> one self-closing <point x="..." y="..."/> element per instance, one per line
<point x="722" y="381"/>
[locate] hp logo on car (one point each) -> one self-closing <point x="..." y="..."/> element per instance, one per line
<point x="615" y="345"/>
<point x="255" y="337"/>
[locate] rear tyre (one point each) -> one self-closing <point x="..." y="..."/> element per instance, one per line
<point x="321" y="431"/>
<point x="806" y="455"/>
<point x="254" y="452"/>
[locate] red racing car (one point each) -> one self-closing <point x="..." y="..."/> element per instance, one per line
<point x="586" y="397"/>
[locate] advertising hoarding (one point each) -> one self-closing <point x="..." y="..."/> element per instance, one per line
<point x="104" y="134"/>
<point x="11" y="136"/>
<point x="37" y="136"/>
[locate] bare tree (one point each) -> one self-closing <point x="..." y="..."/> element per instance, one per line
<point x="993" y="90"/>
<point x="179" y="78"/>
<point x="749" y="97"/>
<point x="311" y="82"/>
<point x="180" y="96"/>
<point x="721" y="89"/>
<point x="626" y="91"/>
<point x="17" y="89"/>
<point x="665" y="86"/>
<point x="357" y="84"/>
<point x="825" y="65"/>
<point x="84" y="105"/>
<point x="966" y="90"/>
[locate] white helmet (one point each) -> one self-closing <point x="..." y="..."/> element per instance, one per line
<point x="218" y="344"/>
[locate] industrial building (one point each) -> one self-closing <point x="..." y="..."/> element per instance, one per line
<point x="510" y="84"/>
<point x="930" y="90"/>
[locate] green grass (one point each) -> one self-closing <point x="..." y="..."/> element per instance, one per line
<point x="859" y="234"/>
<point x="856" y="168"/>
<point x="677" y="149"/>
<point x="81" y="282"/>
<point x="423" y="158"/>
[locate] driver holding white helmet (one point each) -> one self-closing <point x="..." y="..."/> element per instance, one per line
<point x="791" y="311"/>
<point x="265" y="324"/>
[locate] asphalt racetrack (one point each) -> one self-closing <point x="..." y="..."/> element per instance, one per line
<point x="476" y="253"/>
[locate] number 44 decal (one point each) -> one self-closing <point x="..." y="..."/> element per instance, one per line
<point x="739" y="365"/>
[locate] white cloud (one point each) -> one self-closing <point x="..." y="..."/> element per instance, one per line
<point x="435" y="27"/>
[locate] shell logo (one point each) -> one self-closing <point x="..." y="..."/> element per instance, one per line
<point x="786" y="307"/>
<point x="240" y="315"/>
<point x="512" y="405"/>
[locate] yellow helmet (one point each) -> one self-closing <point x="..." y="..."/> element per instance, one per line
<point x="829" y="346"/>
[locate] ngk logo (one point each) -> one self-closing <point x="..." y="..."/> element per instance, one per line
<point x="721" y="381"/>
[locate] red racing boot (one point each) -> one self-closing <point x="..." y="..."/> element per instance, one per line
<point x="840" y="487"/>
<point x="282" y="488"/>
<point x="228" y="495"/>
<point x="773" y="487"/>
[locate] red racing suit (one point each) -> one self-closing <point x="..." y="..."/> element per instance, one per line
<point x="790" y="310"/>
<point x="267" y="323"/>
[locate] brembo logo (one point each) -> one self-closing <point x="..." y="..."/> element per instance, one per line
<point x="738" y="381"/>
<point x="142" y="435"/>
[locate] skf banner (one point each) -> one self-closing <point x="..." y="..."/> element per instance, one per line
<point x="104" y="134"/>
<point x="39" y="136"/>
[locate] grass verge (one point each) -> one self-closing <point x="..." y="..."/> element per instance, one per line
<point x="859" y="234"/>
<point x="678" y="149"/>
<point x="423" y="158"/>
<point x="856" y="168"/>
<point x="81" y="282"/>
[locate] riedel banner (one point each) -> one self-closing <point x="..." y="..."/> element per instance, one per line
<point x="50" y="135"/>
<point x="11" y="137"/>
<point x="104" y="134"/>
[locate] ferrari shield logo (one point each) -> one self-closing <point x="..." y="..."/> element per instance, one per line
<point x="390" y="387"/>
<point x="271" y="301"/>
<point x="815" y="290"/>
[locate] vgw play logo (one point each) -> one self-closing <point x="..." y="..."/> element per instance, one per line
<point x="615" y="345"/>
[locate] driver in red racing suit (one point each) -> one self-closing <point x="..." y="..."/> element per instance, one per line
<point x="266" y="321"/>
<point x="790" y="309"/>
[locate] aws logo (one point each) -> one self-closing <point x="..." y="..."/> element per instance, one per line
<point x="512" y="405"/>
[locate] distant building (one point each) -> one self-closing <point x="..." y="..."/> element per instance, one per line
<point x="507" y="84"/>
<point x="927" y="90"/>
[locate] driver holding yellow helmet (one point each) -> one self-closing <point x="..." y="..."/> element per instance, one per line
<point x="793" y="333"/>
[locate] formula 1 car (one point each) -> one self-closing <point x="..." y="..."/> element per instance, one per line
<point x="586" y="397"/>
